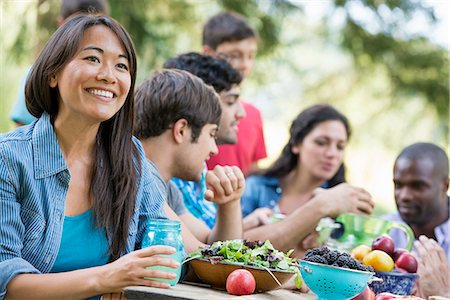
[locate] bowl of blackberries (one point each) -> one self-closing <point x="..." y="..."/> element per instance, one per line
<point x="332" y="274"/>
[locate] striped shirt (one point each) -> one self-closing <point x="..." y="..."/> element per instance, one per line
<point x="34" y="180"/>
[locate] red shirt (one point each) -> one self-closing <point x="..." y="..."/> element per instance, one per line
<point x="250" y="146"/>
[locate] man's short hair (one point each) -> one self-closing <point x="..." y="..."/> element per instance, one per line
<point x="213" y="71"/>
<point x="170" y="95"/>
<point x="70" y="7"/>
<point x="226" y="27"/>
<point x="428" y="151"/>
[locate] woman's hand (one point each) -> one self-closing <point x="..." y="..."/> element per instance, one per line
<point x="258" y="217"/>
<point x="131" y="269"/>
<point x="344" y="198"/>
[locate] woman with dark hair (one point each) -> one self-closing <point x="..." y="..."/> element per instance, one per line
<point x="305" y="184"/>
<point x="75" y="187"/>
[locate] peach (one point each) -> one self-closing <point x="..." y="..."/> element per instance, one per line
<point x="379" y="260"/>
<point x="360" y="251"/>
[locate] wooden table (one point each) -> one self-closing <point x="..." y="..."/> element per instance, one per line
<point x="188" y="292"/>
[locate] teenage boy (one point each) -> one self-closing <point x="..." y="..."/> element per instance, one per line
<point x="225" y="81"/>
<point x="177" y="118"/>
<point x="228" y="35"/>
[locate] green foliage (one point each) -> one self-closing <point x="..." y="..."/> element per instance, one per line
<point x="266" y="17"/>
<point x="414" y="65"/>
<point x="377" y="38"/>
<point x="155" y="26"/>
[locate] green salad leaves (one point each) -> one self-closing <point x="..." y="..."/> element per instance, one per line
<point x="242" y="252"/>
<point x="246" y="253"/>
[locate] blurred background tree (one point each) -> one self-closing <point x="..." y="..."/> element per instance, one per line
<point x="366" y="57"/>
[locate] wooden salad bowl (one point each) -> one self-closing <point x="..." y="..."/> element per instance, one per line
<point x="215" y="274"/>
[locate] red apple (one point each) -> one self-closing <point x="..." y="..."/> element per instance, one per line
<point x="366" y="294"/>
<point x="398" y="252"/>
<point x="240" y="282"/>
<point x="384" y="243"/>
<point x="407" y="262"/>
<point x="385" y="296"/>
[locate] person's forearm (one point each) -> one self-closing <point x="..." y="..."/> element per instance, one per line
<point x="78" y="284"/>
<point x="287" y="233"/>
<point x="190" y="241"/>
<point x="228" y="222"/>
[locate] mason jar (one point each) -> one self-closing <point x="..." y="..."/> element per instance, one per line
<point x="167" y="233"/>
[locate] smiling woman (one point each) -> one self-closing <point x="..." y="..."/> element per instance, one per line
<point x="75" y="188"/>
<point x="95" y="83"/>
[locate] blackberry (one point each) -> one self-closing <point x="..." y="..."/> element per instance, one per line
<point x="317" y="259"/>
<point x="309" y="253"/>
<point x="323" y="250"/>
<point x="341" y="261"/>
<point x="334" y="258"/>
<point x="352" y="264"/>
<point x="369" y="268"/>
<point x="336" y="265"/>
<point x="331" y="257"/>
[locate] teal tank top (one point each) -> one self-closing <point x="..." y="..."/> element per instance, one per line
<point x="82" y="244"/>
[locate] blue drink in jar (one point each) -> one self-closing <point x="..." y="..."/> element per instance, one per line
<point x="167" y="233"/>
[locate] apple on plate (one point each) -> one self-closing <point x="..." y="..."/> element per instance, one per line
<point x="384" y="243"/>
<point x="407" y="261"/>
<point x="240" y="282"/>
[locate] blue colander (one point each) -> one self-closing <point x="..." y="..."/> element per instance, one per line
<point x="329" y="282"/>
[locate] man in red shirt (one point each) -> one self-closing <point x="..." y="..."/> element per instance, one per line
<point x="228" y="35"/>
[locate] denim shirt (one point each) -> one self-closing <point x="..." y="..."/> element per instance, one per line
<point x="34" y="181"/>
<point x="263" y="191"/>
<point x="260" y="191"/>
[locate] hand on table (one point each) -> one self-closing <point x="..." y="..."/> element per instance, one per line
<point x="344" y="198"/>
<point x="130" y="269"/>
<point x="224" y="184"/>
<point x="433" y="271"/>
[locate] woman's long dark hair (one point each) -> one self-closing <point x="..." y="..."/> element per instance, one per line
<point x="305" y="122"/>
<point x="116" y="165"/>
